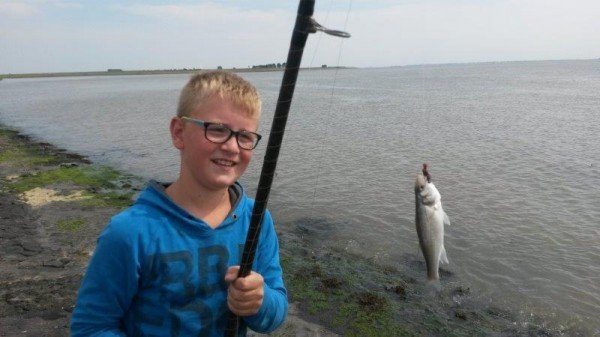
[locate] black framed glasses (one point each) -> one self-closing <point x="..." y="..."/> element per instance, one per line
<point x="219" y="134"/>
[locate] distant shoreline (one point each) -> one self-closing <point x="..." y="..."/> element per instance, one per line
<point x="120" y="72"/>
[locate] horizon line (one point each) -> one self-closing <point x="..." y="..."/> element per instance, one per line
<point x="120" y="71"/>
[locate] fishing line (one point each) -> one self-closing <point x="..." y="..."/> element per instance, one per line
<point x="333" y="87"/>
<point x="320" y="36"/>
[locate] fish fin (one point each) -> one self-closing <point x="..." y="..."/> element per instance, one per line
<point x="443" y="257"/>
<point x="446" y="219"/>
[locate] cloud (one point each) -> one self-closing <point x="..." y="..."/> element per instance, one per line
<point x="206" y="14"/>
<point x="66" y="4"/>
<point x="138" y="35"/>
<point x="27" y="8"/>
<point x="211" y="34"/>
<point x="468" y="31"/>
<point x="18" y="9"/>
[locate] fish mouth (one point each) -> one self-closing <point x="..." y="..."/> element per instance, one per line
<point x="420" y="182"/>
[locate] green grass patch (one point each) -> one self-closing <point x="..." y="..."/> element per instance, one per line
<point x="10" y="155"/>
<point x="86" y="176"/>
<point x="27" y="157"/>
<point x="71" y="225"/>
<point x="7" y="133"/>
<point x="100" y="184"/>
<point x="109" y="199"/>
<point x="374" y="324"/>
<point x="16" y="151"/>
<point x="104" y="186"/>
<point x="332" y="290"/>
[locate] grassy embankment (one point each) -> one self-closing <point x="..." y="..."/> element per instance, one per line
<point x="349" y="294"/>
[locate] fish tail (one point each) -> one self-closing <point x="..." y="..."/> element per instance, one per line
<point x="443" y="256"/>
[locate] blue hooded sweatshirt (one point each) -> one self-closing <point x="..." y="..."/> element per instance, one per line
<point x="159" y="271"/>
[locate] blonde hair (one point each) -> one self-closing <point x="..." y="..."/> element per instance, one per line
<point x="222" y="84"/>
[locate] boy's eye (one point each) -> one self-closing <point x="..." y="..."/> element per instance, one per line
<point x="218" y="130"/>
<point x="246" y="137"/>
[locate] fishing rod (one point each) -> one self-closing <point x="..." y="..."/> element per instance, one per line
<point x="305" y="25"/>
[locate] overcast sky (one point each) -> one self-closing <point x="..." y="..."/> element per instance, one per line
<point x="70" y="35"/>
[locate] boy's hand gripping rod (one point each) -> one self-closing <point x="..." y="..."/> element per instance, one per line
<point x="305" y="25"/>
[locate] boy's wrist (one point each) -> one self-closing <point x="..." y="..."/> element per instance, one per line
<point x="266" y="302"/>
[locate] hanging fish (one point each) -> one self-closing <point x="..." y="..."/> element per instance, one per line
<point x="430" y="220"/>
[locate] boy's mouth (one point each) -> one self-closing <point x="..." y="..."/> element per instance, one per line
<point x="224" y="162"/>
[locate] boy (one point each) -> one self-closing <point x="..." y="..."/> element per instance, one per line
<point x="161" y="266"/>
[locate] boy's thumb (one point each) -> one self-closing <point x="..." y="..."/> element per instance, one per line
<point x="232" y="273"/>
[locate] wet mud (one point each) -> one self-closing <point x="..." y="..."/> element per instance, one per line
<point x="41" y="263"/>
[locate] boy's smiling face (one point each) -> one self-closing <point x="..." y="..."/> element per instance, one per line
<point x="203" y="163"/>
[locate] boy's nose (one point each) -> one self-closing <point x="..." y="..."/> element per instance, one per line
<point x="231" y="145"/>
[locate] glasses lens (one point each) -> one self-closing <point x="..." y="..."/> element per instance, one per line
<point x="217" y="133"/>
<point x="247" y="140"/>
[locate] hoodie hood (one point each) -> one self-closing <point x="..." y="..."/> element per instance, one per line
<point x="156" y="200"/>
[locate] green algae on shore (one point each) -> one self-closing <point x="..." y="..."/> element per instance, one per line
<point x="100" y="184"/>
<point x="71" y="224"/>
<point x="16" y="153"/>
<point x="357" y="296"/>
<point x="90" y="176"/>
<point x="47" y="167"/>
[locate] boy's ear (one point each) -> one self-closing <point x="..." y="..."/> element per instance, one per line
<point x="177" y="132"/>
